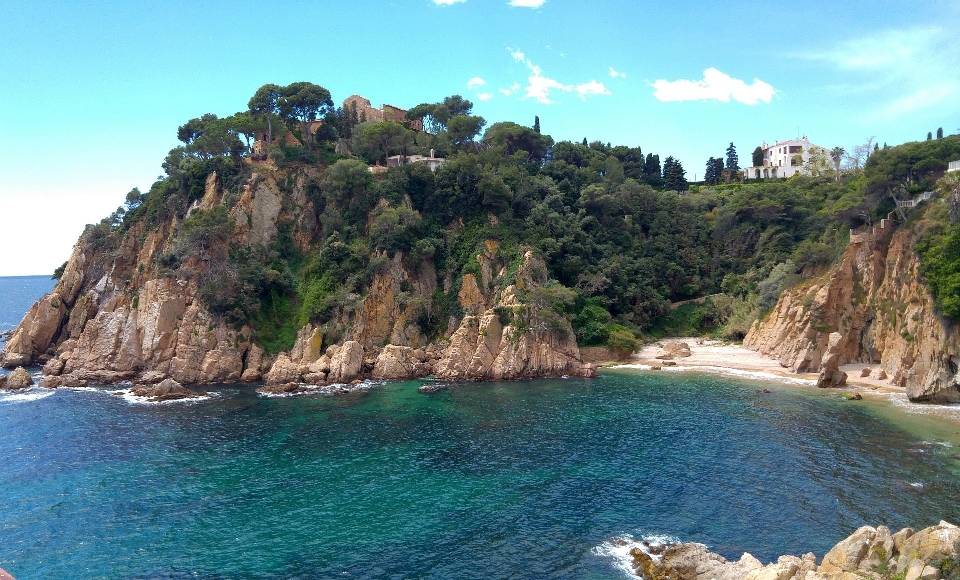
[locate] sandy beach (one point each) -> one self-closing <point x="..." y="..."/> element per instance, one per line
<point x="706" y="355"/>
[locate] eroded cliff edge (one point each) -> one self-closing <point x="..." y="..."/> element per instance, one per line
<point x="118" y="313"/>
<point x="878" y="312"/>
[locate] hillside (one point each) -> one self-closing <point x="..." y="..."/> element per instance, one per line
<point x="289" y="259"/>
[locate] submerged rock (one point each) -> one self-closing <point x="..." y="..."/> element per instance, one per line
<point x="166" y="390"/>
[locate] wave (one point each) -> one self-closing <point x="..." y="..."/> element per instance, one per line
<point x="327" y="390"/>
<point x="31" y="394"/>
<point x="619" y="548"/>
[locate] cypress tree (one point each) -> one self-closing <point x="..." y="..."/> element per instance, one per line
<point x="733" y="162"/>
<point x="536" y="123"/>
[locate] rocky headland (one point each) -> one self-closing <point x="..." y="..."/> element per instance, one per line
<point x="869" y="553"/>
<point x="117" y="314"/>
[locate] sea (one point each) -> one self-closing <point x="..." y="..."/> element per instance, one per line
<point x="513" y="480"/>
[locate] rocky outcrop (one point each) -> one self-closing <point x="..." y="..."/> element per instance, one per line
<point x="830" y="373"/>
<point x="401" y="362"/>
<point x="33" y="337"/>
<point x="18" y="379"/>
<point x="673" y="349"/>
<point x="868" y="553"/>
<point x="875" y="300"/>
<point x="166" y="390"/>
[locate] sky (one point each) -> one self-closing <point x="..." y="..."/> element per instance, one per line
<point x="92" y="93"/>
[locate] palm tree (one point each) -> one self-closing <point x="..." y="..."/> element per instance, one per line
<point x="837" y="155"/>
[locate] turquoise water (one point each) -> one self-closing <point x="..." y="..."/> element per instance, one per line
<point x="496" y="480"/>
<point x="502" y="480"/>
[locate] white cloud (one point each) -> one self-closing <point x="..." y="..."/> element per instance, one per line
<point x="511" y="90"/>
<point x="539" y="86"/>
<point x="484" y="96"/>
<point x="591" y="88"/>
<point x="908" y="70"/>
<point x="518" y="55"/>
<point x="715" y="85"/>
<point x="527" y="3"/>
<point x="475" y="82"/>
<point x="447" y="2"/>
<point x="616" y="74"/>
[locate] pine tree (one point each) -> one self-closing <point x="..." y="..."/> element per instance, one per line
<point x="674" y="176"/>
<point x="536" y="123"/>
<point x="733" y="163"/>
<point x="651" y="171"/>
<point x="584" y="141"/>
<point x="710" y="175"/>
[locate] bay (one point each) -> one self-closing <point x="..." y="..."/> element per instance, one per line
<point x="487" y="480"/>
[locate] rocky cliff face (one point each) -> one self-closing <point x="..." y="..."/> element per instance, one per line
<point x="117" y="315"/>
<point x="878" y="312"/>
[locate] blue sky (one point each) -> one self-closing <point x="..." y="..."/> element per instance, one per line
<point x="91" y="93"/>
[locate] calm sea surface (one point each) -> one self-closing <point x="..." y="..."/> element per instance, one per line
<point x="495" y="480"/>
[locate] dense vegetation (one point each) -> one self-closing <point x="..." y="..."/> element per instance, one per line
<point x="623" y="236"/>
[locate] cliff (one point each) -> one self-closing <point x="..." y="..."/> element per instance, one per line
<point x="869" y="553"/>
<point x="871" y="308"/>
<point x="123" y="311"/>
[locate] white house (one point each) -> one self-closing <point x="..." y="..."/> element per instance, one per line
<point x="432" y="162"/>
<point x="782" y="159"/>
<point x="953" y="166"/>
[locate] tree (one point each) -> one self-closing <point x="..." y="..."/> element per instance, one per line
<point x="733" y="162"/>
<point x="651" y="171"/>
<point x="303" y="102"/>
<point x="246" y="124"/>
<point x="929" y="136"/>
<point x="714" y="171"/>
<point x="208" y="137"/>
<point x="758" y="157"/>
<point x="674" y="176"/>
<point x="513" y="138"/>
<point x="536" y="125"/>
<point x="379" y="138"/>
<point x="860" y="154"/>
<point x="464" y="128"/>
<point x="263" y="104"/>
<point x="836" y="154"/>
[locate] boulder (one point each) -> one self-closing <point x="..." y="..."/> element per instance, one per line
<point x="866" y="372"/>
<point x="399" y="362"/>
<point x="32" y="337"/>
<point x="847" y="555"/>
<point x="3" y="382"/>
<point x="283" y="370"/>
<point x="18" y="379"/>
<point x="346" y="363"/>
<point x="166" y="390"/>
<point x="674" y="349"/>
<point x="882" y="374"/>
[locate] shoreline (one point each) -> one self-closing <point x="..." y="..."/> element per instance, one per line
<point x="720" y="357"/>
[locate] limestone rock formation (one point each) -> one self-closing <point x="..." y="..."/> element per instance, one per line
<point x="18" y="379"/>
<point x="886" y="317"/>
<point x="868" y="553"/>
<point x="400" y="362"/>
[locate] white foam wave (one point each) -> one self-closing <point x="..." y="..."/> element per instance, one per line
<point x="900" y="400"/>
<point x="619" y="549"/>
<point x="128" y="396"/>
<point x="32" y="394"/>
<point x="329" y="390"/>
